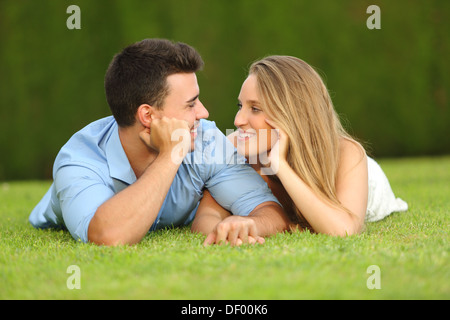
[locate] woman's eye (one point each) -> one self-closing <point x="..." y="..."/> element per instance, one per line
<point x="254" y="109"/>
<point x="239" y="105"/>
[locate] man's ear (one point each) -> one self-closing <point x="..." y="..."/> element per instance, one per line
<point x="144" y="115"/>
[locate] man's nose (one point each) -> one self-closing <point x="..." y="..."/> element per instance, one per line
<point x="201" y="112"/>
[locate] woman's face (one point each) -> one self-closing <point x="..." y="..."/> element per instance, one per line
<point x="254" y="136"/>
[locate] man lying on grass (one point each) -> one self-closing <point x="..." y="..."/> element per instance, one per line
<point x="146" y="166"/>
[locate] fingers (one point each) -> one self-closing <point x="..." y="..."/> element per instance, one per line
<point x="172" y="123"/>
<point x="235" y="232"/>
<point x="222" y="230"/>
<point x="256" y="240"/>
<point x="260" y="240"/>
<point x="145" y="135"/>
<point x="271" y="123"/>
<point x="244" y="235"/>
<point x="169" y="135"/>
<point x="279" y="131"/>
<point x="228" y="232"/>
<point x="210" y="239"/>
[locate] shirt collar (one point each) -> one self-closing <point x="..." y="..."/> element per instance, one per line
<point x="119" y="166"/>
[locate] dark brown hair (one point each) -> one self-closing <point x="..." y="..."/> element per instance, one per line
<point x="138" y="75"/>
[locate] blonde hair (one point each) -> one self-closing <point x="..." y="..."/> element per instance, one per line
<point x="294" y="96"/>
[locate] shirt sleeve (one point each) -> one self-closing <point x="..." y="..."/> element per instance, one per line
<point x="239" y="189"/>
<point x="80" y="191"/>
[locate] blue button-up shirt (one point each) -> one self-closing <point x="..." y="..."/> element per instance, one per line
<point x="92" y="167"/>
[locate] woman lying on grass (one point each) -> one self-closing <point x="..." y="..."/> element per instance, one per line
<point x="318" y="172"/>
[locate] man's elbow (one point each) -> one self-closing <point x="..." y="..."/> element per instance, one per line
<point x="102" y="236"/>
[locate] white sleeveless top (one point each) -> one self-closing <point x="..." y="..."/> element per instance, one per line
<point x="381" y="199"/>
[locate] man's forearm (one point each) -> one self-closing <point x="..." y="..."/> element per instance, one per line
<point x="270" y="219"/>
<point x="127" y="216"/>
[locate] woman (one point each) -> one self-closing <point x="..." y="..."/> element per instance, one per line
<point x="322" y="176"/>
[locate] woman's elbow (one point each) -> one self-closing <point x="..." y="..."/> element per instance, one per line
<point x="347" y="228"/>
<point x="345" y="232"/>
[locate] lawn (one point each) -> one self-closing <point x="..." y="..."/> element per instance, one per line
<point x="410" y="250"/>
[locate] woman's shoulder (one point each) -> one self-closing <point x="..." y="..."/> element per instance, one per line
<point x="352" y="148"/>
<point x="352" y="154"/>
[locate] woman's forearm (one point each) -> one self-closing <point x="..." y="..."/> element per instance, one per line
<point x="209" y="214"/>
<point x="321" y="215"/>
<point x="205" y="222"/>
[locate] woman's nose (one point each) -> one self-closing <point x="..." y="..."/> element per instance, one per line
<point x="240" y="119"/>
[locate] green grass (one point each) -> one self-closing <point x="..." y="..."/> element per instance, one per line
<point x="410" y="248"/>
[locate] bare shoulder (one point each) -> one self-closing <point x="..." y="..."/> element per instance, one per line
<point x="352" y="156"/>
<point x="352" y="179"/>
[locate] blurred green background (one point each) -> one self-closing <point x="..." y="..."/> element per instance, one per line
<point x="391" y="86"/>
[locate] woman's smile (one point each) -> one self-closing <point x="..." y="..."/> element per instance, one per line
<point x="244" y="135"/>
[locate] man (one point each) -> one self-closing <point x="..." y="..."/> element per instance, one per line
<point x="140" y="169"/>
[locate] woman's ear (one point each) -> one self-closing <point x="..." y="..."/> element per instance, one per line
<point x="144" y="115"/>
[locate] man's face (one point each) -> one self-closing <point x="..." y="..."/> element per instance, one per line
<point x="182" y="102"/>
